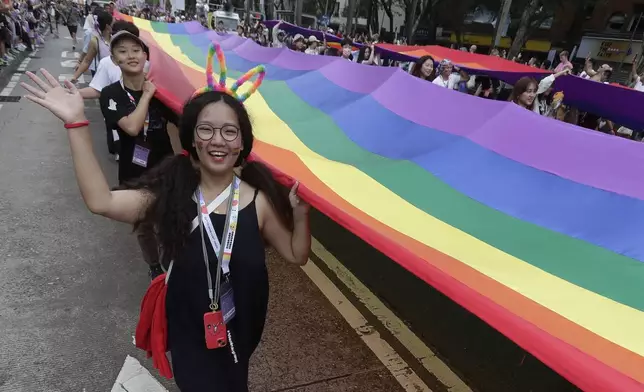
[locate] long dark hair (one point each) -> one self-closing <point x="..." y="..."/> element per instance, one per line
<point x="520" y="87"/>
<point x="104" y="19"/>
<point x="362" y="54"/>
<point x="416" y="71"/>
<point x="173" y="182"/>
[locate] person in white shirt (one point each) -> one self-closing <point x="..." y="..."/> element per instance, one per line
<point x="88" y="28"/>
<point x="278" y="36"/>
<point x="635" y="78"/>
<point x="528" y="94"/>
<point x="446" y="78"/>
<point x="601" y="75"/>
<point x="314" y="47"/>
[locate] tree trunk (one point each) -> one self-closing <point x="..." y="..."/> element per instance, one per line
<point x="576" y="28"/>
<point x="299" y="4"/>
<point x="247" y="8"/>
<point x="410" y="17"/>
<point x="521" y="36"/>
<point x="504" y="13"/>
<point x="386" y="6"/>
<point x="426" y="8"/>
<point x="349" y="26"/>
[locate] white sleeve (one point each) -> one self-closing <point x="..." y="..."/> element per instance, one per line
<point x="454" y="78"/>
<point x="438" y="81"/>
<point x="102" y="78"/>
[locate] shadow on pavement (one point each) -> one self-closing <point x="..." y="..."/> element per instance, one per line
<point x="482" y="356"/>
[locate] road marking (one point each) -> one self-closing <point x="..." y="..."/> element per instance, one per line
<point x="10" y="85"/>
<point x="74" y="55"/>
<point x="33" y="53"/>
<point x="405" y="336"/>
<point x="63" y="77"/>
<point x="401" y="371"/>
<point x="135" y="378"/>
<point x="23" y="65"/>
<point x="69" y="64"/>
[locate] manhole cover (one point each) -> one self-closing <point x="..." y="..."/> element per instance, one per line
<point x="9" y="98"/>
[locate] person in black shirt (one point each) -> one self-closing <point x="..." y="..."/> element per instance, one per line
<point x="141" y="122"/>
<point x="130" y="107"/>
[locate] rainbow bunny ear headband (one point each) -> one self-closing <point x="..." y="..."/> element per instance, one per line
<point x="221" y="85"/>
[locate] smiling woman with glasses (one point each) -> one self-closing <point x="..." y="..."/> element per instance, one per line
<point x="206" y="132"/>
<point x="209" y="309"/>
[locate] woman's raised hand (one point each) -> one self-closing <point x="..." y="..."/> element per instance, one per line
<point x="298" y="205"/>
<point x="66" y="104"/>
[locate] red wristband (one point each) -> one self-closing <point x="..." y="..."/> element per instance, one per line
<point x="77" y="125"/>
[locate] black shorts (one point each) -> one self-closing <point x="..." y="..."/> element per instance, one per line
<point x="5" y="35"/>
<point x="72" y="29"/>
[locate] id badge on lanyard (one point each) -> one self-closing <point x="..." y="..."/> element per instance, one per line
<point x="222" y="293"/>
<point x="141" y="148"/>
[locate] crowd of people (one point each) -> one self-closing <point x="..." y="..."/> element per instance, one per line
<point x="186" y="183"/>
<point x="21" y="28"/>
<point x="537" y="96"/>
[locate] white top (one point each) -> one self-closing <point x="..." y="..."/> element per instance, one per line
<point x="108" y="73"/>
<point x="88" y="26"/>
<point x="638" y="84"/>
<point x="450" y="83"/>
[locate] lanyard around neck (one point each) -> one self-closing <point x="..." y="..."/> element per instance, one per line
<point x="146" y="123"/>
<point x="223" y="253"/>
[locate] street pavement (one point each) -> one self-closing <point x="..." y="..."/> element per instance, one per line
<point x="71" y="283"/>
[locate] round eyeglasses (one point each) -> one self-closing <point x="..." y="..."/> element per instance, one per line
<point x="206" y="132"/>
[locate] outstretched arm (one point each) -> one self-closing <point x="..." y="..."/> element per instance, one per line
<point x="124" y="206"/>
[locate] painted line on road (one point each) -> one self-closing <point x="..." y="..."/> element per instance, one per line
<point x="69" y="63"/>
<point x="63" y="77"/>
<point x="394" y="325"/>
<point x="10" y="86"/>
<point x="401" y="371"/>
<point x="135" y="378"/>
<point x="23" y="65"/>
<point x="67" y="54"/>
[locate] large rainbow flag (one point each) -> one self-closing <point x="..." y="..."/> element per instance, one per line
<point x="612" y="101"/>
<point x="533" y="225"/>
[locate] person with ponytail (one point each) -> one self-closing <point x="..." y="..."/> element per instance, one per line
<point x="213" y="211"/>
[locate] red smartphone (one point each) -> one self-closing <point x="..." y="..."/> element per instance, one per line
<point x="215" y="329"/>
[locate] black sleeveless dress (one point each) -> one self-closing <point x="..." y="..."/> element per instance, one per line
<point x="197" y="368"/>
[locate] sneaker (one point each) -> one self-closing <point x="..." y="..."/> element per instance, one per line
<point x="116" y="157"/>
<point x="73" y="47"/>
<point x="9" y="57"/>
<point x="3" y="63"/>
<point x="155" y="270"/>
